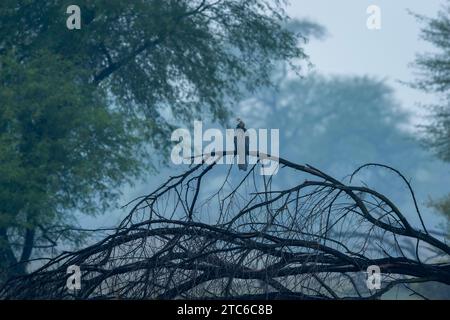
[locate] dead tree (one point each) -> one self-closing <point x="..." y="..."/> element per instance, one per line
<point x="230" y="235"/>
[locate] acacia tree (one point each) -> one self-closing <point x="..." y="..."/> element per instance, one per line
<point x="434" y="77"/>
<point x="78" y="105"/>
<point x="249" y="236"/>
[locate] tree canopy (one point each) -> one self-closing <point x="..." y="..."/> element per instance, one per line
<point x="434" y="77"/>
<point x="434" y="69"/>
<point x="154" y="56"/>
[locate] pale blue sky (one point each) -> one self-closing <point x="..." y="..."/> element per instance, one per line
<point x="351" y="48"/>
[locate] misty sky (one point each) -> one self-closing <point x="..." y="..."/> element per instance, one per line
<point x="351" y="48"/>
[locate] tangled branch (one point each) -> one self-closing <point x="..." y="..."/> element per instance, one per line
<point x="212" y="234"/>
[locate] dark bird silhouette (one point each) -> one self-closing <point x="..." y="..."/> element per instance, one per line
<point x="241" y="140"/>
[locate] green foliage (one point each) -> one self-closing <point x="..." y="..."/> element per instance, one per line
<point x="160" y="57"/>
<point x="61" y="141"/>
<point x="62" y="147"/>
<point x="434" y="69"/>
<point x="80" y="109"/>
<point x="444" y="206"/>
<point x="435" y="77"/>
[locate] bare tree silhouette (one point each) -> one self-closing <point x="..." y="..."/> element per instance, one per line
<point x="226" y="236"/>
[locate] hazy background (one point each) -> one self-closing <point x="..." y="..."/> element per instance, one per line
<point x="347" y="54"/>
<point x="351" y="48"/>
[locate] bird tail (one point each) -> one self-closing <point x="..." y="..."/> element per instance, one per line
<point x="243" y="166"/>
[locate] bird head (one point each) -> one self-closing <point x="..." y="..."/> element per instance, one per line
<point x="240" y="123"/>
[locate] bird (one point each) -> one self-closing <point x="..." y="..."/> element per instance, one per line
<point x="242" y="140"/>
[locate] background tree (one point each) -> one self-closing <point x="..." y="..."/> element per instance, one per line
<point x="358" y="119"/>
<point x="61" y="150"/>
<point x="434" y="77"/>
<point x="77" y="105"/>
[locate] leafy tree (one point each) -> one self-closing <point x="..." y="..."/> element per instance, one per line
<point x="77" y="106"/>
<point x="435" y="78"/>
<point x="61" y="149"/>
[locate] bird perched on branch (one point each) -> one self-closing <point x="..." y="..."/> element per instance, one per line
<point x="241" y="145"/>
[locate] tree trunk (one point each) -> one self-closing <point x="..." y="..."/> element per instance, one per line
<point x="8" y="261"/>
